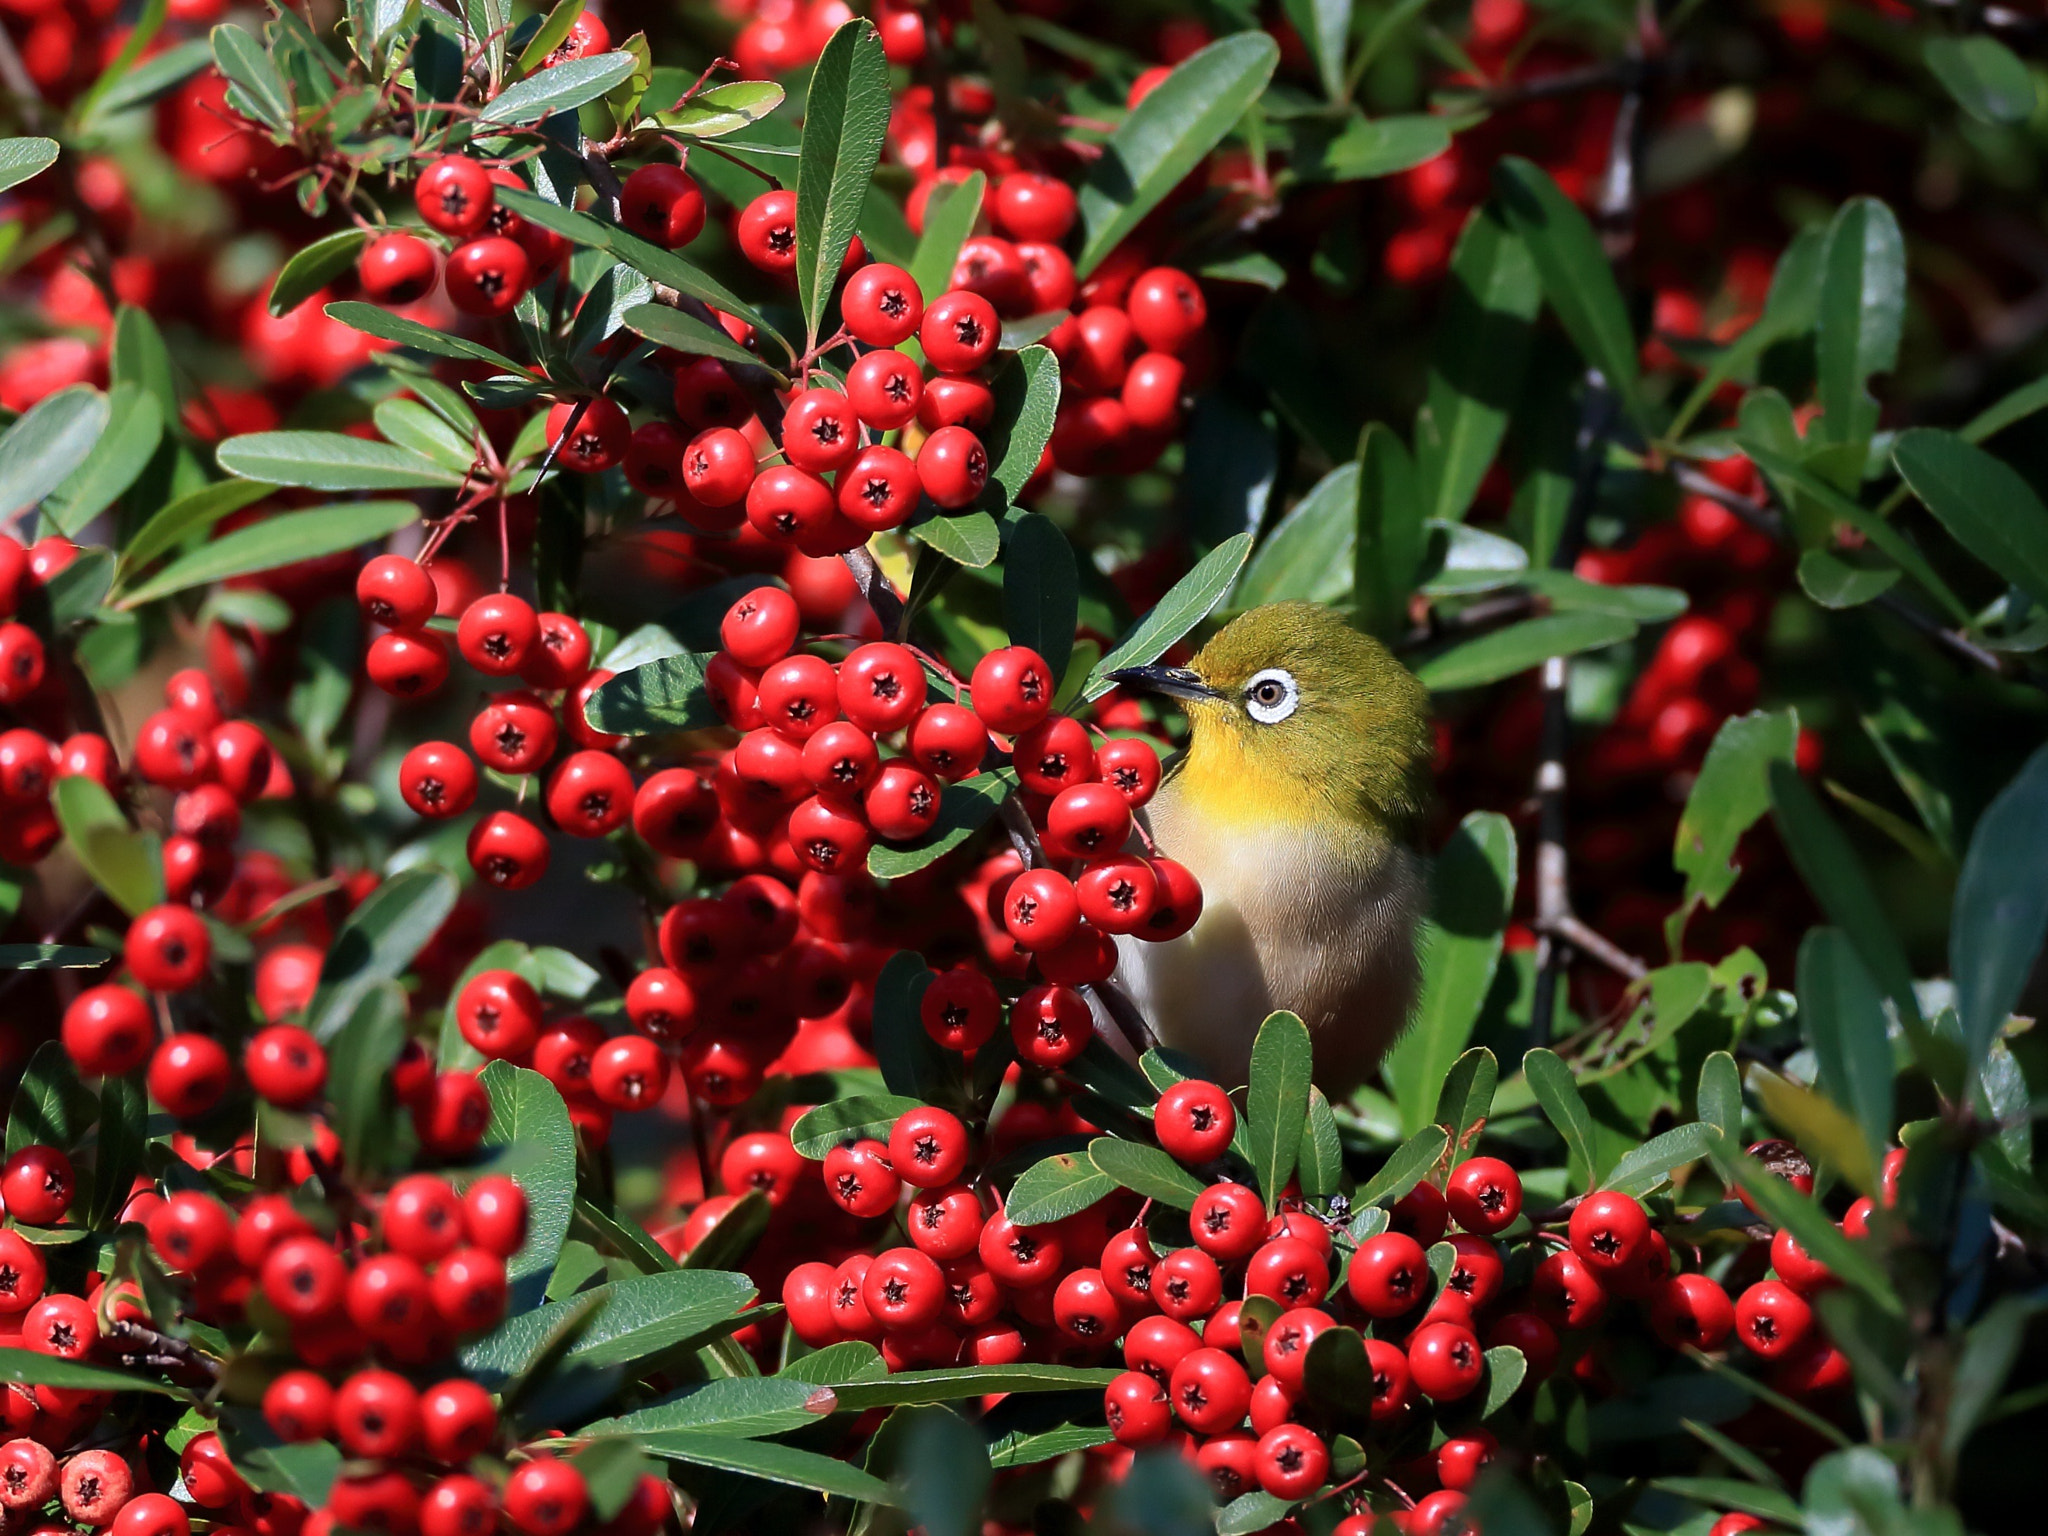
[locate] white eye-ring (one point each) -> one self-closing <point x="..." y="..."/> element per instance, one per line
<point x="1271" y="696"/>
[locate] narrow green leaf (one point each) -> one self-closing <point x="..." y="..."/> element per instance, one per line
<point x="23" y="158"/>
<point x="955" y="1382"/>
<point x="686" y="333"/>
<point x="47" y="442"/>
<point x="846" y="117"/>
<point x="330" y="461"/>
<point x="256" y="89"/>
<point x="135" y="426"/>
<point x="1167" y="135"/>
<point x="51" y="1108"/>
<point x="1027" y="391"/>
<point x="971" y="538"/>
<point x="2001" y="908"/>
<point x="1321" y="1164"/>
<point x="1325" y="25"/>
<point x="1551" y="1081"/>
<point x="1733" y="790"/>
<point x="723" y="109"/>
<point x="1467" y="1098"/>
<point x="561" y="88"/>
<point x="1147" y="1170"/>
<point x="386" y="326"/>
<point x="28" y="1368"/>
<point x="1185" y="605"/>
<point x="1276" y="1104"/>
<point x="1645" y="1167"/>
<point x="1041" y="590"/>
<point x="125" y="863"/>
<point x="1720" y="1095"/>
<point x="52" y="957"/>
<point x="1309" y="554"/>
<point x="964" y="809"/>
<point x="867" y="1117"/>
<point x="1987" y="79"/>
<point x="1842" y="1014"/>
<point x="949" y="218"/>
<point x="276" y="541"/>
<point x="1983" y="501"/>
<point x="1862" y="310"/>
<point x="529" y="1117"/>
<point x="1055" y="1188"/>
<point x="1577" y="279"/>
<point x="1391" y="535"/>
<point x="1519" y="647"/>
<point x="772" y="1462"/>
<point x="313" y="267"/>
<point x="189" y="516"/>
<point x="361" y="1055"/>
<point x="1367" y="148"/>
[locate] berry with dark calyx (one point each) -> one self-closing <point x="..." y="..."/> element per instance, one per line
<point x="168" y="949"/>
<point x="1608" y="1231"/>
<point x="188" y="1073"/>
<point x="1135" y="1407"/>
<point x="1050" y="1026"/>
<point x="437" y="779"/>
<point x="952" y="466"/>
<point x="1445" y="1361"/>
<point x="513" y="733"/>
<point x="766" y="232"/>
<point x="1772" y="1318"/>
<point x="1195" y="1121"/>
<point x="545" y="1497"/>
<point x="94" y="1487"/>
<point x="885" y="389"/>
<point x="487" y="277"/>
<point x="959" y="331"/>
<point x="960" y="1009"/>
<point x="508" y="851"/>
<point x="881" y="305"/>
<point x="662" y="203"/>
<point x="820" y="431"/>
<point x="1389" y="1274"/>
<point x="598" y="438"/>
<point x="590" y="794"/>
<point x="902" y="804"/>
<point x="454" y="195"/>
<point x="1209" y="1391"/>
<point x="1692" y="1311"/>
<point x="286" y="1065"/>
<point x="396" y="269"/>
<point x="1484" y="1195"/>
<point x="410" y="665"/>
<point x="497" y="634"/>
<point x="860" y="1180"/>
<point x="1011" y="689"/>
<point x="587" y="37"/>
<point x="108" y="1031"/>
<point x="1292" y="1461"/>
<point x="1566" y="1292"/>
<point x="928" y="1147"/>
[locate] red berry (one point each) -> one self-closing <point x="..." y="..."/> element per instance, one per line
<point x="1484" y="1195"/>
<point x="168" y="949"/>
<point x="285" y="1065"/>
<point x="1292" y="1461"/>
<point x="903" y="1289"/>
<point x="1050" y="1026"/>
<point x="1445" y="1360"/>
<point x="1167" y="308"/>
<point x="377" y="1413"/>
<point x="598" y="439"/>
<point x="494" y="1214"/>
<point x="422" y="1218"/>
<point x="820" y="431"/>
<point x="1195" y="1121"/>
<point x="662" y="203"/>
<point x="108" y="1031"/>
<point x="1209" y="1391"/>
<point x="1389" y="1274"/>
<point x="437" y="778"/>
<point x="1692" y="1311"/>
<point x="881" y="305"/>
<point x="1228" y="1221"/>
<point x="787" y="505"/>
<point x="902" y="804"/>
<point x="1087" y="821"/>
<point x="928" y="1147"/>
<point x="718" y="467"/>
<point x="508" y="851"/>
<point x="590" y="794"/>
<point x="36" y="1185"/>
<point x="497" y="634"/>
<point x="767" y="232"/>
<point x="1030" y="206"/>
<point x="1566" y="1292"/>
<point x="860" y="1180"/>
<point x="188" y="1073"/>
<point x="397" y="269"/>
<point x="885" y="389"/>
<point x="487" y="277"/>
<point x="629" y="1073"/>
<point x="545" y="1497"/>
<point x="1135" y="1407"/>
<point x="1609" y="1231"/>
<point x="408" y="665"/>
<point x="654" y="459"/>
<point x="513" y="733"/>
<point x="952" y="466"/>
<point x="1772" y="1318"/>
<point x="1288" y="1340"/>
<point x="959" y="331"/>
<point x="454" y="195"/>
<point x="1011" y="689"/>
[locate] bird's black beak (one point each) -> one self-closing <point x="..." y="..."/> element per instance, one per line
<point x="1174" y="682"/>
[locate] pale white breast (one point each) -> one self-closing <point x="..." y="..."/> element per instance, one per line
<point x="1293" y="917"/>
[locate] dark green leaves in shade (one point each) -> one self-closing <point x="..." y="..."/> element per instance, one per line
<point x="846" y="116"/>
<point x="1041" y="590"/>
<point x="313" y="267"/>
<point x="1733" y="789"/>
<point x="2001" y="907"/>
<point x="663" y="695"/>
<point x="1167" y="134"/>
<point x="1552" y="1083"/>
<point x="52" y="1108"/>
<point x="1982" y="501"/>
<point x="1987" y="79"/>
<point x="1392" y="532"/>
<point x="685" y="333"/>
<point x="378" y="941"/>
<point x="1862" y="310"/>
<point x="1843" y="1015"/>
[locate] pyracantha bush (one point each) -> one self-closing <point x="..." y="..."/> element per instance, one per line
<point x="570" y="814"/>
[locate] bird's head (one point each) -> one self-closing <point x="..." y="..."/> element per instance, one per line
<point x="1297" y="717"/>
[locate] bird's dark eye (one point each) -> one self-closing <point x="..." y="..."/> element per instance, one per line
<point x="1270" y="696"/>
<point x="1269" y="692"/>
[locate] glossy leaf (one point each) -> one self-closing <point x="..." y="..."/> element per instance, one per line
<point x="188" y="516"/>
<point x="1147" y="1170"/>
<point x="1460" y="944"/>
<point x="47" y="442"/>
<point x="125" y="863"/>
<point x="949" y="218"/>
<point x="846" y="117"/>
<point x="135" y="426"/>
<point x="868" y="1116"/>
<point x="1988" y="80"/>
<point x="1391" y="537"/>
<point x="1519" y="647"/>
<point x="964" y="809"/>
<point x="51" y="1108"/>
<point x="1577" y="279"/>
<point x="1041" y="590"/>
<point x="943" y="1473"/>
<point x="1989" y="507"/>
<point x="1835" y="583"/>
<point x="276" y="541"/>
<point x="561" y="88"/>
<point x="1167" y="135"/>
<point x="1720" y="1095"/>
<point x="1320" y="1168"/>
<point x="1309" y="554"/>
<point x="774" y="1463"/>
<point x="952" y="1383"/>
<point x="529" y="1117"/>
<point x="256" y="89"/>
<point x="741" y="1407"/>
<point x="1477" y="358"/>
<point x="1184" y="606"/>
<point x="386" y="326"/>
<point x="360" y="1058"/>
<point x="1467" y="1098"/>
<point x="313" y="267"/>
<point x="1325" y="26"/>
<point x="21" y="158"/>
<point x="913" y="1064"/>
<point x="331" y="461"/>
<point x="1055" y="1188"/>
<point x="723" y="109"/>
<point x="378" y="941"/>
<point x="1027" y="391"/>
<point x="666" y="694"/>
<point x="1842" y="1014"/>
<point x="2001" y="907"/>
<point x="1862" y="310"/>
<point x="685" y="333"/>
<point x="1276" y="1104"/>
<point x="971" y="538"/>
<point x="52" y="957"/>
<point x="1366" y="148"/>
<point x="1506" y="1366"/>
<point x="1552" y="1083"/>
<point x="1732" y="791"/>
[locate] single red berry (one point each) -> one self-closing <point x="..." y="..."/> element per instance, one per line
<point x="437" y="778"/>
<point x="766" y="232"/>
<point x="545" y="1497"/>
<point x="629" y="1073"/>
<point x="377" y="1413"/>
<point x="188" y="1073"/>
<point x="881" y="305"/>
<point x="718" y="467"/>
<point x="881" y="687"/>
<point x="596" y="441"/>
<point x="960" y="1009"/>
<point x="928" y="1147"/>
<point x="108" y="1031"/>
<point x="1531" y="1335"/>
<point x="1484" y="1195"/>
<point x="951" y="401"/>
<point x="590" y="794"/>
<point x="654" y="459"/>
<point x="959" y="331"/>
<point x="508" y="851"/>
<point x="662" y="203"/>
<point x="168" y="949"/>
<point x="948" y="741"/>
<point x="1151" y="392"/>
<point x="787" y="505"/>
<point x="36" y="1185"/>
<point x="1167" y="309"/>
<point x="1692" y="1311"/>
<point x="885" y="389"/>
<point x="945" y="1221"/>
<point x="63" y="1326"/>
<point x="454" y="195"/>
<point x="1195" y="1121"/>
<point x="1020" y="1256"/>
<point x="902" y="804"/>
<point x="903" y="1289"/>
<point x="174" y="749"/>
<point x="1772" y="1318"/>
<point x="1445" y="1361"/>
<point x="1566" y="1292"/>
<point x="398" y="269"/>
<point x="1292" y="1461"/>
<point x="513" y="733"/>
<point x="1087" y="821"/>
<point x="860" y="1180"/>
<point x="1050" y="1026"/>
<point x="1289" y="1339"/>
<point x="1040" y="909"/>
<point x="410" y="665"/>
<point x="879" y="490"/>
<point x="1389" y="1274"/>
<point x="952" y="466"/>
<point x="494" y="1214"/>
<point x="1228" y="1221"/>
<point x="1031" y="206"/>
<point x="285" y="1065"/>
<point x="1609" y="1231"/>
<point x="820" y="431"/>
<point x="497" y="633"/>
<point x="1135" y="1407"/>
<point x="1209" y="1391"/>
<point x="1011" y="689"/>
<point x="487" y="277"/>
<point x="807" y="1300"/>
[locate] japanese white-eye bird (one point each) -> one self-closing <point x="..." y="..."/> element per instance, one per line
<point x="1295" y="805"/>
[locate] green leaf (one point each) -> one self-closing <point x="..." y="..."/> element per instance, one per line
<point x="1472" y="887"/>
<point x="1366" y="148"/>
<point x="330" y="461"/>
<point x="1250" y="1513"/>
<point x="256" y="90"/>
<point x="1862" y="309"/>
<point x="1990" y="1350"/>
<point x="1027" y="391"/>
<point x="139" y="356"/>
<point x="686" y="333"/>
<point x="134" y="429"/>
<point x="23" y="158"/>
<point x="2001" y="908"/>
<point x="1720" y="1095"/>
<point x="1055" y="1188"/>
<point x="1477" y="358"/>
<point x="1337" y="1374"/>
<point x="125" y="863"/>
<point x="276" y="541"/>
<point x="955" y="1382"/>
<point x="1733" y="789"/>
<point x="1519" y="647"/>
<point x="378" y="941"/>
<point x="774" y="1463"/>
<point x="1645" y="1167"/>
<point x="964" y="809"/>
<point x="52" y="1108"/>
<point x="1392" y="532"/>
<point x="1467" y="1098"/>
<point x="943" y="1473"/>
<point x="864" y="1117"/>
<point x="949" y="218"/>
<point x="1325" y="26"/>
<point x="1829" y="866"/>
<point x="723" y="109"/>
<point x="47" y="442"/>
<point x="1185" y="605"/>
<point x="1551" y="1081"/>
<point x="971" y="538"/>
<point x="1145" y="1169"/>
<point x="1505" y="1368"/>
<point x="1167" y="135"/>
<point x="386" y="326"/>
<point x="1041" y="590"/>
<point x="313" y="267"/>
<point x="1835" y="583"/>
<point x="1842" y="1014"/>
<point x="28" y="1368"/>
<point x="619" y="1235"/>
<point x="554" y="28"/>
<point x="1566" y="593"/>
<point x="1321" y="1164"/>
<point x="912" y="1062"/>
<point x="562" y="88"/>
<point x="626" y="1320"/>
<point x="1461" y="560"/>
<point x="1309" y="554"/>
<point x="1577" y="279"/>
<point x="2002" y="413"/>
<point x="188" y="516"/>
<point x="1983" y="501"/>
<point x="121" y="88"/>
<point x="77" y="593"/>
<point x="742" y="1407"/>
<point x="528" y="1116"/>
<point x="1020" y="1448"/>
<point x="361" y="1056"/>
<point x="1988" y="80"/>
<point x="846" y="117"/>
<point x="667" y="694"/>
<point x="52" y="957"/>
<point x="1276" y="1104"/>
